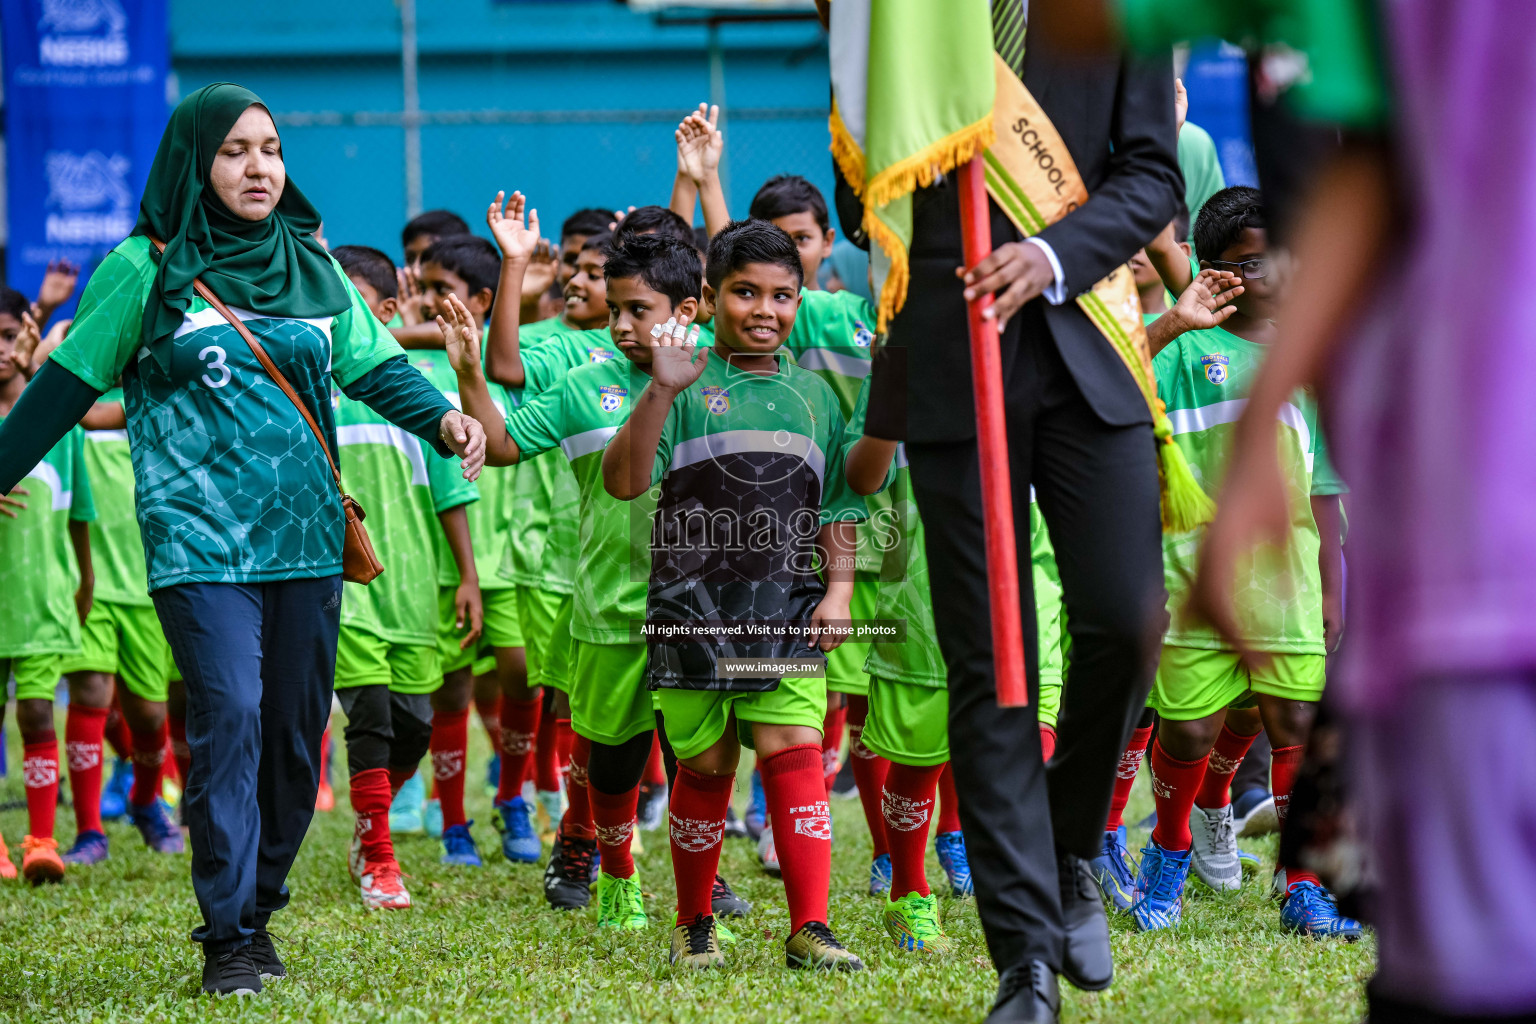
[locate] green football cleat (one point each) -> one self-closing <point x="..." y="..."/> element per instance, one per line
<point x="815" y="948"/>
<point x="913" y="923"/>
<point x="697" y="944"/>
<point x="620" y="903"/>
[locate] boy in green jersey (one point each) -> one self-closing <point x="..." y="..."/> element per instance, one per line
<point x="387" y="663"/>
<point x="1288" y="597"/>
<point x="747" y="448"/>
<point x="45" y="574"/>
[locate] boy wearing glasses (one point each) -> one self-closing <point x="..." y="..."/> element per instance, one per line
<point x="1289" y="597"/>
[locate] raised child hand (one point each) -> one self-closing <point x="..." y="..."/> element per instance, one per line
<point x="58" y="285"/>
<point x="673" y="347"/>
<point x="461" y="338"/>
<point x="26" y="346"/>
<point x="1204" y="304"/>
<point x="516" y="239"/>
<point x="411" y="298"/>
<point x="542" y="269"/>
<point x="699" y="144"/>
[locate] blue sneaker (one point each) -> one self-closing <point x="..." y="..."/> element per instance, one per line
<point x="405" y="812"/>
<point x="432" y="819"/>
<point x="459" y="847"/>
<point x="493" y="774"/>
<point x="1309" y="909"/>
<point x="880" y="875"/>
<point x="89" y="848"/>
<point x="519" y="839"/>
<point x="1115" y="870"/>
<point x="757" y="811"/>
<point x="114" y="795"/>
<point x="950" y="846"/>
<point x="1249" y="862"/>
<point x="157" y="827"/>
<point x="1158" y="898"/>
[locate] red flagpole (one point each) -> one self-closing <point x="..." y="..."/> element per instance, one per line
<point x="992" y="443"/>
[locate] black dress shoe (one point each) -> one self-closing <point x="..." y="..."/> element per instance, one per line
<point x="230" y="974"/>
<point x="264" y="955"/>
<point x="1086" y="961"/>
<point x="1026" y="994"/>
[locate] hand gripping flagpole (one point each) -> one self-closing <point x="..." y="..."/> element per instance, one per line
<point x="992" y="445"/>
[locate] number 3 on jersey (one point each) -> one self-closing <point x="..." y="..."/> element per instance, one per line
<point x="216" y="365"/>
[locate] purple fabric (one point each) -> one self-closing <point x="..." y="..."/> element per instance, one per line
<point x="1433" y="409"/>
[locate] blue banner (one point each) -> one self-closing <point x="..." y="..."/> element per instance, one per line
<point x="1217" y="80"/>
<point x="85" y="103"/>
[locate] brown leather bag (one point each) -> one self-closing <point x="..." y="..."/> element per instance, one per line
<point x="359" y="564"/>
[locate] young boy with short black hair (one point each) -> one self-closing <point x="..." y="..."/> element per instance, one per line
<point x="425" y="228"/>
<point x="387" y="663"/>
<point x="798" y="207"/>
<point x="747" y="449"/>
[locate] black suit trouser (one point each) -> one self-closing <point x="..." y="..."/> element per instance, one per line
<point x="1097" y="488"/>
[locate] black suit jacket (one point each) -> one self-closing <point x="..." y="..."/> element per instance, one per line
<point x="1117" y="120"/>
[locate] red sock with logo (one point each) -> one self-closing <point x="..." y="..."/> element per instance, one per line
<point x="613" y="819"/>
<point x="1284" y="765"/>
<point x="83" y="731"/>
<point x="1229" y="751"/>
<point x="40" y="775"/>
<point x="450" y="738"/>
<point x="907" y="804"/>
<point x="949" y="801"/>
<point x="1174" y="784"/>
<point x="179" y="749"/>
<point x="832" y="743"/>
<point x="370" y="802"/>
<point x="519" y="728"/>
<point x="565" y="740"/>
<point x="148" y="762"/>
<point x="577" y="822"/>
<point x="802" y="829"/>
<point x="1125" y="776"/>
<point x="117" y="733"/>
<point x="697" y="827"/>
<point x="546" y="754"/>
<point x="1047" y="742"/>
<point x="869" y="770"/>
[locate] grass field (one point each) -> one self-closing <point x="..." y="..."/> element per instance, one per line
<point x="110" y="944"/>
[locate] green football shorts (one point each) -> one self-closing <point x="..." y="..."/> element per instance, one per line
<point x="560" y="655"/>
<point x="37" y="675"/>
<point x="696" y="719"/>
<point x="907" y="723"/>
<point x="537" y="611"/>
<point x="610" y="699"/>
<point x="503" y="624"/>
<point x="1194" y="683"/>
<point x="450" y="655"/>
<point x="367" y="659"/>
<point x="126" y="641"/>
<point x="845" y="662"/>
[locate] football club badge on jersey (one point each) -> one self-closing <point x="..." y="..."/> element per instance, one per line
<point x="599" y="355"/>
<point x="716" y="399"/>
<point x="611" y="397"/>
<point x="862" y="336"/>
<point x="1215" y="368"/>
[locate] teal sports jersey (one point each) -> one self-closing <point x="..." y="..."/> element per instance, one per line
<point x="545" y="505"/>
<point x="38" y="571"/>
<point x="232" y="486"/>
<point x="750" y="467"/>
<point x="117" y="549"/>
<point x="1204" y="378"/>
<point x="578" y="415"/>
<point x="403" y="485"/>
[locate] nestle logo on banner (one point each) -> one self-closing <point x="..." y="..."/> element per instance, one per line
<point x="89" y="201"/>
<point x="82" y="34"/>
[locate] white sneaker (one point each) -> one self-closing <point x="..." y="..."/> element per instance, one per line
<point x="768" y="854"/>
<point x="1213" y="853"/>
<point x="1256" y="817"/>
<point x="383" y="888"/>
<point x="552" y="802"/>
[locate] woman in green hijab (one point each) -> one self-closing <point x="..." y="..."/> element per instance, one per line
<point x="241" y="520"/>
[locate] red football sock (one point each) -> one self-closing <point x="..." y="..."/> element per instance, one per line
<point x="613" y="818"/>
<point x="949" y="801"/>
<point x="802" y="829"/>
<point x="40" y="775"/>
<point x="399" y="777"/>
<point x="1174" y="784"/>
<point x="148" y="760"/>
<point x="489" y="710"/>
<point x="1284" y="764"/>
<point x="179" y="748"/>
<point x="908" y="807"/>
<point x="117" y="732"/>
<point x="450" y="738"/>
<point x="83" y="731"/>
<point x="832" y="743"/>
<point x="577" y="822"/>
<point x="1047" y="742"/>
<point x="1216" y="788"/>
<point x="655" y="767"/>
<point x="869" y="770"/>
<point x="370" y="802"/>
<point x="699" y="805"/>
<point x="546" y="754"/>
<point x="519" y="727"/>
<point x="565" y="739"/>
<point x="1125" y="775"/>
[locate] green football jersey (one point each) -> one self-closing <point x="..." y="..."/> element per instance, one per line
<point x="403" y="485"/>
<point x="750" y="467"/>
<point x="117" y="549"/>
<point x="232" y="486"/>
<point x="1204" y="378"/>
<point x="38" y="571"/>
<point x="579" y="414"/>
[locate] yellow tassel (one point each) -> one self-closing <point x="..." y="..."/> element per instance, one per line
<point x="893" y="293"/>
<point x="924" y="166"/>
<point x="1185" y="503"/>
<point x="849" y="157"/>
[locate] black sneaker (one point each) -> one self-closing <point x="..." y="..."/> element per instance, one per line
<point x="264" y="955"/>
<point x="231" y="974"/>
<point x="651" y="811"/>
<point x="735" y="828"/>
<point x="724" y="901"/>
<point x="568" y="878"/>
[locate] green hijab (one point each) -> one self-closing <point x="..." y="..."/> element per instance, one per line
<point x="273" y="266"/>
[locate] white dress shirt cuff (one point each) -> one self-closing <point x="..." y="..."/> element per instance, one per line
<point x="1056" y="294"/>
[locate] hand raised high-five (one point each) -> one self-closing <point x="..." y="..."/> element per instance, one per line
<point x="518" y="240"/>
<point x="699" y="143"/>
<point x="461" y="337"/>
<point x="676" y="361"/>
